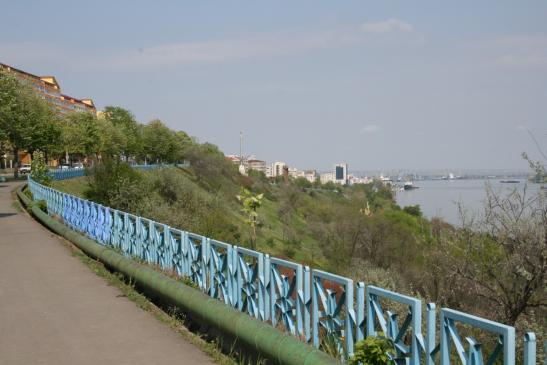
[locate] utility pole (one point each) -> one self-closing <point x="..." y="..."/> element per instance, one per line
<point x="241" y="165"/>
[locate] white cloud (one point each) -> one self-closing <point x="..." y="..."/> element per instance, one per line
<point x="370" y="128"/>
<point x="232" y="49"/>
<point x="387" y="26"/>
<point x="521" y="50"/>
<point x="200" y="52"/>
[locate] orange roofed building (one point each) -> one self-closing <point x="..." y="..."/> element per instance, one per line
<point x="49" y="90"/>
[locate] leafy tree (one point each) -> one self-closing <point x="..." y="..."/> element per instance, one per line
<point x="80" y="134"/>
<point x="158" y="142"/>
<point x="112" y="139"/>
<point x="303" y="183"/>
<point x="126" y="125"/>
<point x="250" y="204"/>
<point x="26" y="120"/>
<point x="39" y="168"/>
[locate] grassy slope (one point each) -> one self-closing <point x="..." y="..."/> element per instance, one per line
<point x="76" y="186"/>
<point x="271" y="233"/>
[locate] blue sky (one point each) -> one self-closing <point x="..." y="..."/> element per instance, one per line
<point x="380" y="85"/>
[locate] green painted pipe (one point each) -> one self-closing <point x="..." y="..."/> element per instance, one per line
<point x="249" y="332"/>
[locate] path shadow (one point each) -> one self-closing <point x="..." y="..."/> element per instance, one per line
<point x="3" y="186"/>
<point x="4" y="215"/>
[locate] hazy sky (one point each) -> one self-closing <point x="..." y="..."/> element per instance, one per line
<point x="378" y="84"/>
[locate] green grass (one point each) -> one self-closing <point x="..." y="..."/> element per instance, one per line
<point x="270" y="237"/>
<point x="76" y="186"/>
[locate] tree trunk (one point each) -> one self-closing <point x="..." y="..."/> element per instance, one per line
<point x="16" y="160"/>
<point x="253" y="238"/>
<point x="2" y="159"/>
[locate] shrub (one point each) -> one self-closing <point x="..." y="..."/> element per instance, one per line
<point x="39" y="168"/>
<point x="116" y="185"/>
<point x="413" y="210"/>
<point x="373" y="350"/>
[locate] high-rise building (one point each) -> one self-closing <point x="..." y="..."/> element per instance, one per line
<point x="277" y="169"/>
<point x="341" y="173"/>
<point x="50" y="90"/>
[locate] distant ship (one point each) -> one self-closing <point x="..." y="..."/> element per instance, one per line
<point x="409" y="185"/>
<point x="509" y="181"/>
<point x="451" y="176"/>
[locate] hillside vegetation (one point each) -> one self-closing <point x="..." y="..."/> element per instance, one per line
<point x="496" y="270"/>
<point x="494" y="266"/>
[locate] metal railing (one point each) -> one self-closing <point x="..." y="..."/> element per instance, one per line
<point x="316" y="306"/>
<point x="69" y="173"/>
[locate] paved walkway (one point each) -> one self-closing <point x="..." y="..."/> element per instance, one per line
<point x="54" y="310"/>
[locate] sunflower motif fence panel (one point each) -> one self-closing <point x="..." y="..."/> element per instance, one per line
<point x="142" y="239"/>
<point x="289" y="292"/>
<point x="129" y="234"/>
<point x="221" y="269"/>
<point x="333" y="316"/>
<point x="78" y="217"/>
<point x="195" y="259"/>
<point x="176" y="241"/>
<point x="251" y="283"/>
<point x="91" y="220"/>
<point x="116" y="240"/>
<point x="504" y="349"/>
<point x="405" y="336"/>
<point x="162" y="250"/>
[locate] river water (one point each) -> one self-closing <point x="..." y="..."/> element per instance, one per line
<point x="440" y="198"/>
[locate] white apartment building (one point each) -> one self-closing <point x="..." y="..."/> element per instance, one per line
<point x="277" y="169"/>
<point x="310" y="175"/>
<point x="293" y="172"/>
<point x="358" y="180"/>
<point x="327" y="177"/>
<point x="257" y="165"/>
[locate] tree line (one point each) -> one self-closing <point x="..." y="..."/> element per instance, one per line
<point x="29" y="123"/>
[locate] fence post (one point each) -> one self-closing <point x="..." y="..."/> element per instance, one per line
<point x="529" y="348"/>
<point x="360" y="319"/>
<point x="430" y="328"/>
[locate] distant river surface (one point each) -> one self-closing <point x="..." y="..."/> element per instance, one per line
<point x="439" y="198"/>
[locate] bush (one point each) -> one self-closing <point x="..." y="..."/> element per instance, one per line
<point x="42" y="205"/>
<point x="373" y="351"/>
<point x="413" y="210"/>
<point x="117" y="185"/>
<point x="39" y="169"/>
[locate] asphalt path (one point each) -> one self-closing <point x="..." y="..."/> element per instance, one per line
<point x="54" y="310"/>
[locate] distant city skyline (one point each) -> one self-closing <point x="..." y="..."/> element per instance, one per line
<point x="379" y="85"/>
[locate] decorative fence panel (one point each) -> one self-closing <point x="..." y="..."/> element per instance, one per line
<point x="316" y="306"/>
<point x="409" y="330"/>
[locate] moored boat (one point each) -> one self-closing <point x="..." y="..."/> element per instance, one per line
<point x="409" y="185"/>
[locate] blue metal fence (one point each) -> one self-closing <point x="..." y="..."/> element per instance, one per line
<point x="63" y="174"/>
<point x="316" y="306"/>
